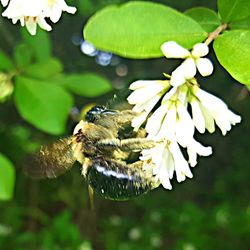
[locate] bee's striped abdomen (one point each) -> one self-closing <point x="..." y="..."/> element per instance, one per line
<point x="117" y="181"/>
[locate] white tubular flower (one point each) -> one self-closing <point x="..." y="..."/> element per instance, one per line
<point x="54" y="9"/>
<point x="161" y="162"/>
<point x="145" y="96"/>
<point x="165" y="159"/>
<point x="172" y="125"/>
<point x="172" y="122"/>
<point x="4" y="2"/>
<point x="193" y="60"/>
<point x="31" y="13"/>
<point x="207" y="108"/>
<point x="184" y="126"/>
<point x="195" y="148"/>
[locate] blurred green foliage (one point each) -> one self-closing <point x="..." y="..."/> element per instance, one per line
<point x="211" y="211"/>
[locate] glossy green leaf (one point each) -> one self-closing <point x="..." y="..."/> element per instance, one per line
<point x="88" y="84"/>
<point x="7" y="178"/>
<point x="231" y="10"/>
<point x="22" y="55"/>
<point x="137" y="29"/>
<point x="40" y="44"/>
<point x="44" y="70"/>
<point x="241" y="24"/>
<point x="206" y="17"/>
<point x="233" y="52"/>
<point x="43" y="104"/>
<point x="5" y="62"/>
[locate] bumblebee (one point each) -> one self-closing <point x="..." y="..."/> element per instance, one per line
<point x="103" y="144"/>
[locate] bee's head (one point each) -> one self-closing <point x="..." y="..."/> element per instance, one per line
<point x="94" y="112"/>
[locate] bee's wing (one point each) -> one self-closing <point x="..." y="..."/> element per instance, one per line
<point x="52" y="160"/>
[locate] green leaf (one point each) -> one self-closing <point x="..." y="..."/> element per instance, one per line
<point x="86" y="7"/>
<point x="233" y="52"/>
<point x="240" y="24"/>
<point x="22" y="55"/>
<point x="7" y="178"/>
<point x="40" y="44"/>
<point x="5" y="62"/>
<point x="44" y="70"/>
<point x="88" y="84"/>
<point x="206" y="17"/>
<point x="137" y="29"/>
<point x="231" y="10"/>
<point x="43" y="104"/>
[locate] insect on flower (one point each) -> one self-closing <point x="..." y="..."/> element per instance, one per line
<point x="104" y="145"/>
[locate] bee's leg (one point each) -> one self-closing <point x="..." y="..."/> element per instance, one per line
<point x="137" y="144"/>
<point x="91" y="197"/>
<point x="85" y="166"/>
<point x="131" y="144"/>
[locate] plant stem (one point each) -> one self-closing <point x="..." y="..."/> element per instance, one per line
<point x="213" y="35"/>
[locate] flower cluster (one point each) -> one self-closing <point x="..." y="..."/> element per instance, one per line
<point x="31" y="13"/>
<point x="172" y="123"/>
<point x="187" y="70"/>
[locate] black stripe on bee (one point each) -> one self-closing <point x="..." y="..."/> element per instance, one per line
<point x="117" y="181"/>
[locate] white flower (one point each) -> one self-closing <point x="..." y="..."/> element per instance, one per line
<point x="172" y="125"/>
<point x="207" y="109"/>
<point x="4" y="2"/>
<point x="165" y="159"/>
<point x="31" y="13"/>
<point x="193" y="60"/>
<point x="172" y="122"/>
<point x="195" y="148"/>
<point x="145" y="96"/>
<point x="54" y="8"/>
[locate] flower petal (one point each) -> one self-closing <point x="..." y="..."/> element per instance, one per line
<point x="181" y="165"/>
<point x="155" y="121"/>
<point x="184" y="126"/>
<point x="188" y="68"/>
<point x="233" y="118"/>
<point x="210" y="101"/>
<point x="177" y="79"/>
<point x="148" y="105"/>
<point x="204" y="66"/>
<point x="200" y="50"/>
<point x="164" y="178"/>
<point x="172" y="49"/>
<point x="139" y="120"/>
<point x="198" y="118"/>
<point x="4" y="2"/>
<point x="55" y="14"/>
<point x="43" y="24"/>
<point x="223" y="117"/>
<point x="141" y="84"/>
<point x="195" y="148"/>
<point x="209" y="120"/>
<point x="31" y="26"/>
<point x="169" y="95"/>
<point x="148" y="83"/>
<point x="168" y="125"/>
<point x="143" y="94"/>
